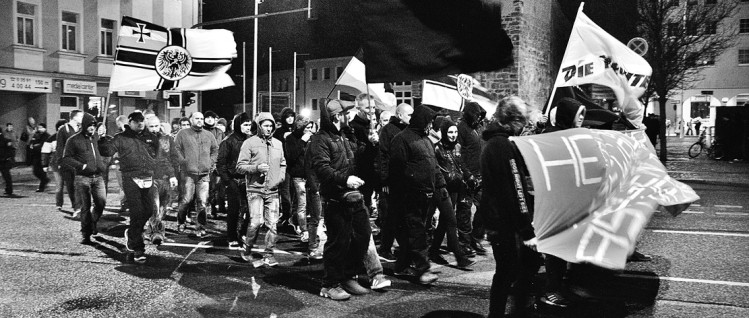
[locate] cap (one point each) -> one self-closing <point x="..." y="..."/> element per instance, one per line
<point x="136" y="116"/>
<point x="336" y="106"/>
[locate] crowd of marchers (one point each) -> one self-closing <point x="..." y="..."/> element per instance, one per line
<point x="415" y="176"/>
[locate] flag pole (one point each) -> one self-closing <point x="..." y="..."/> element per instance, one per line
<point x="244" y="77"/>
<point x="547" y="109"/>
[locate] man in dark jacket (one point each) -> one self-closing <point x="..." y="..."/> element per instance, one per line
<point x="396" y="124"/>
<point x="284" y="190"/>
<point x="365" y="133"/>
<point x="414" y="176"/>
<point x="236" y="186"/>
<point x="67" y="173"/>
<point x="346" y="218"/>
<point x="34" y="155"/>
<point x="215" y="188"/>
<point x="294" y="150"/>
<point x="7" y="158"/>
<point x="82" y="154"/>
<point x="469" y="130"/>
<point x="165" y="180"/>
<point x="137" y="149"/>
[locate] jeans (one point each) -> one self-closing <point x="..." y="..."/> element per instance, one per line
<point x="90" y="189"/>
<point x="372" y="260"/>
<point x="162" y="200"/>
<point x="300" y="208"/>
<point x="118" y="174"/>
<point x="411" y="232"/>
<point x="468" y="231"/>
<point x="68" y="178"/>
<point x="446" y="225"/>
<point x="263" y="210"/>
<point x="236" y="195"/>
<point x="59" y="189"/>
<point x="314" y="204"/>
<point x="515" y="266"/>
<point x="349" y="234"/>
<point x="194" y="184"/>
<point x="141" y="203"/>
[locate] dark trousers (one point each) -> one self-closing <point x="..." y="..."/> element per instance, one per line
<point x="8" y="179"/>
<point x="447" y="226"/>
<point x="314" y="209"/>
<point x="284" y="192"/>
<point x="38" y="170"/>
<point x="90" y="189"/>
<point x="515" y="266"/>
<point x="236" y="195"/>
<point x="68" y="178"/>
<point x="469" y="229"/>
<point x="348" y="240"/>
<point x="555" y="270"/>
<point x="388" y="221"/>
<point x="141" y="204"/>
<point x="411" y="209"/>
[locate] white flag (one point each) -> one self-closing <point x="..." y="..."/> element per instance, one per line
<point x="355" y="76"/>
<point x="151" y="57"/>
<point x="595" y="57"/>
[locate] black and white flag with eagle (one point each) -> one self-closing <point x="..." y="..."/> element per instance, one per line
<point x="152" y="57"/>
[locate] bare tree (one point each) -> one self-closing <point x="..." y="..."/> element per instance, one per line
<point x="684" y="36"/>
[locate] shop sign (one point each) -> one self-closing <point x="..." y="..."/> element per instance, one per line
<point x="23" y="83"/>
<point x="132" y="94"/>
<point x="78" y="87"/>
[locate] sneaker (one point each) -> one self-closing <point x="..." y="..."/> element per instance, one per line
<point x="438" y="259"/>
<point x="247" y="257"/>
<point x="305" y="237"/>
<point x="233" y="245"/>
<point x="555" y="299"/>
<point x="353" y="287"/>
<point x="639" y="257"/>
<point x="157" y="238"/>
<point x="181" y="228"/>
<point x="334" y="293"/>
<point x="86" y="240"/>
<point x="480" y="250"/>
<point x="386" y="256"/>
<point x="59" y="208"/>
<point x="139" y="257"/>
<point x="201" y="233"/>
<point x="76" y="214"/>
<point x="464" y="264"/>
<point x="380" y="282"/>
<point x="126" y="241"/>
<point x="468" y="252"/>
<point x="408" y="271"/>
<point x="315" y="255"/>
<point x="427" y="278"/>
<point x="270" y="261"/>
<point x="188" y="220"/>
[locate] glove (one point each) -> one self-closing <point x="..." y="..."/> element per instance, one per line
<point x="173" y="182"/>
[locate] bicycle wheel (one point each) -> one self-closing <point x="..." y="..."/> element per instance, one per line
<point x="695" y="150"/>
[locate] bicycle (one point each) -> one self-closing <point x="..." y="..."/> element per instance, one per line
<point x="714" y="151"/>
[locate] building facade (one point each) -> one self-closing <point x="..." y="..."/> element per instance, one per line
<point x="57" y="56"/>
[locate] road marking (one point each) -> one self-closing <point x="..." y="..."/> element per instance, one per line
<point x="208" y="245"/>
<point x="51" y="256"/>
<point x="729" y="206"/>
<point x="702" y="233"/>
<point x="732" y="213"/>
<point x="692" y="212"/>
<point x="688" y="280"/>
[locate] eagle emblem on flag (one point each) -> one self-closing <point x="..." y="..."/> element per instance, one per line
<point x="173" y="63"/>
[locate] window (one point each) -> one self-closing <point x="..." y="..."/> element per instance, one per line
<point x="69" y="101"/>
<point x="744" y="26"/>
<point x="711" y="28"/>
<point x="69" y="30"/>
<point x="326" y="73"/>
<point x="25" y="23"/>
<point x="313" y="74"/>
<point x="314" y="104"/>
<point x="743" y="56"/>
<point x="105" y="37"/>
<point x="338" y="72"/>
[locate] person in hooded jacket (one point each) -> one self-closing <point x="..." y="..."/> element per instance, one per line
<point x="7" y="158"/>
<point x="235" y="183"/>
<point x="287" y="126"/>
<point x="137" y="149"/>
<point x="34" y="155"/>
<point x="508" y="212"/>
<point x="415" y="178"/>
<point x="262" y="161"/>
<point x="294" y="150"/>
<point x="363" y="126"/>
<point x="469" y="130"/>
<point x="82" y="154"/>
<point x="215" y="198"/>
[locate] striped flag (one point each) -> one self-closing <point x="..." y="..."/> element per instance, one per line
<point x="445" y="92"/>
<point x="151" y="57"/>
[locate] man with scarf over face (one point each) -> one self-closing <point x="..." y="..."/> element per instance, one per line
<point x="469" y="130"/>
<point x="414" y="175"/>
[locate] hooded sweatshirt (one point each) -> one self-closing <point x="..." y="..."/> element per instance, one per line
<point x="469" y="131"/>
<point x="413" y="165"/>
<point x="294" y="149"/>
<point x="449" y="159"/>
<point x="82" y="151"/>
<point x="387" y="133"/>
<point x="228" y="150"/>
<point x="285" y="129"/>
<point x="257" y="150"/>
<point x="564" y="115"/>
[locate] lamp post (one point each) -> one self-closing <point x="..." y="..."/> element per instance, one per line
<point x="254" y="63"/>
<point x="270" y="78"/>
<point x="294" y="80"/>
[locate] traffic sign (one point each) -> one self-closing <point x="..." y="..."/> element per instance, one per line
<point x="638" y="45"/>
<point x="23" y="83"/>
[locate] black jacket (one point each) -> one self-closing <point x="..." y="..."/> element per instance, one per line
<point x="294" y="150"/>
<point x="7" y="152"/>
<point x="501" y="210"/>
<point x="413" y="165"/>
<point x="36" y="143"/>
<point x="285" y="127"/>
<point x="469" y="132"/>
<point x="83" y="151"/>
<point x="63" y="134"/>
<point x="366" y="161"/>
<point x="332" y="156"/>
<point x="137" y="151"/>
<point x="228" y="152"/>
<point x="166" y="158"/>
<point x="388" y="132"/>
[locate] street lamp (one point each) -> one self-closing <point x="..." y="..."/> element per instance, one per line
<point x="294" y="79"/>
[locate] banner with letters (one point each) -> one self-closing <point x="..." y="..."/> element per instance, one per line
<point x="594" y="192"/>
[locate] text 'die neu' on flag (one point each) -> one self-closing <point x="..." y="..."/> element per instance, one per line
<point x="594" y="192"/>
<point x="408" y="40"/>
<point x="595" y="57"/>
<point x="151" y="57"/>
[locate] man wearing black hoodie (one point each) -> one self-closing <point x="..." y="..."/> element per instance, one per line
<point x="287" y="126"/>
<point x="215" y="199"/>
<point x="236" y="186"/>
<point x="368" y="138"/>
<point x="82" y="154"/>
<point x="469" y="130"/>
<point x="414" y="176"/>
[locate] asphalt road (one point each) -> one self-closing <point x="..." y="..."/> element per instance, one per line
<point x="700" y="267"/>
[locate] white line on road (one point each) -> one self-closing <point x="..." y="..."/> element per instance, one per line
<point x="732" y="213"/>
<point x="688" y="280"/>
<point x="693" y="212"/>
<point x="258" y="250"/>
<point x="729" y="206"/>
<point x="702" y="233"/>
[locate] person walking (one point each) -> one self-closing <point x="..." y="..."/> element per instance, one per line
<point x="67" y="173"/>
<point x="261" y="160"/>
<point x="469" y="129"/>
<point x="164" y="181"/>
<point x="51" y="159"/>
<point x="34" y="155"/>
<point x="7" y="158"/>
<point x="294" y="149"/>
<point x="235" y="183"/>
